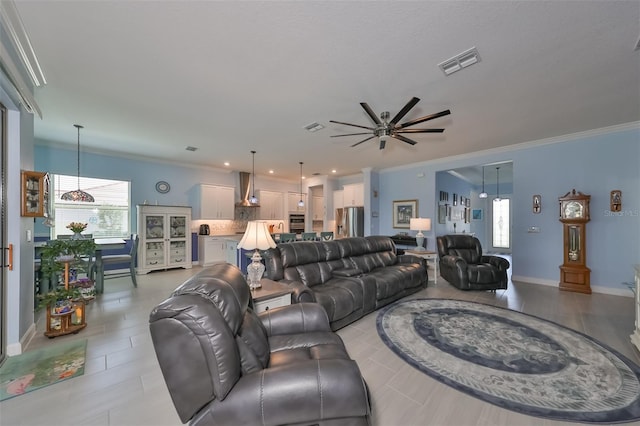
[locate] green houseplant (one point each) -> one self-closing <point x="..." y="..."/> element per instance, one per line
<point x="53" y="256"/>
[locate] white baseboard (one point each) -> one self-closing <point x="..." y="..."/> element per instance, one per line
<point x="16" y="348"/>
<point x="622" y="291"/>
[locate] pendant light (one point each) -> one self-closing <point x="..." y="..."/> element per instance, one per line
<point x="301" y="202"/>
<point x="483" y="194"/>
<point x="253" y="199"/>
<point x="78" y="194"/>
<point x="497" y="184"/>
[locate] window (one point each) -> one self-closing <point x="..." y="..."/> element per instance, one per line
<point x="107" y="217"/>
<point x="501" y="223"/>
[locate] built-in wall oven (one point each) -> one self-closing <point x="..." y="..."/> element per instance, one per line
<point x="296" y="223"/>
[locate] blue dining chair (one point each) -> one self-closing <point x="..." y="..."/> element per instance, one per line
<point x="287" y="237"/>
<point x="130" y="259"/>
<point x="326" y="236"/>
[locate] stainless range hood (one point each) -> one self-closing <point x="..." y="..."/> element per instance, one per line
<point x="245" y="187"/>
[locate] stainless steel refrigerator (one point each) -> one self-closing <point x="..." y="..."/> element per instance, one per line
<point x="353" y="222"/>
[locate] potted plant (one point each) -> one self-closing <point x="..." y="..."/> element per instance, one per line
<point x="54" y="255"/>
<point x="59" y="299"/>
<point x="78" y="252"/>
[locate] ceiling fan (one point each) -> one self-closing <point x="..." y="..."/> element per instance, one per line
<point x="386" y="129"/>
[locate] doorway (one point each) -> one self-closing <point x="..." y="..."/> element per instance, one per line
<point x="469" y="182"/>
<point x="3" y="230"/>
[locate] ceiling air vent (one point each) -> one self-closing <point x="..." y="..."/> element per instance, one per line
<point x="191" y="148"/>
<point x="314" y="127"/>
<point x="462" y="60"/>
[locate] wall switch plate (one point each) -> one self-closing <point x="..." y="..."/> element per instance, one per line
<point x="534" y="229"/>
<point x="28" y="234"/>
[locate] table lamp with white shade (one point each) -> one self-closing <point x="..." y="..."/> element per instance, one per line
<point x="420" y="224"/>
<point x="257" y="238"/>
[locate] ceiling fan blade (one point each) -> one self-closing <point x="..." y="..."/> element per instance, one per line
<point x="423" y="119"/>
<point x="349" y="124"/>
<point x="372" y="114"/>
<point x="364" y="140"/>
<point x="404" y="111"/>
<point x="403" y="139"/>
<point x="351" y="134"/>
<point x="420" y="131"/>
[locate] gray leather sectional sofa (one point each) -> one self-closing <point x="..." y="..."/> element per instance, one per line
<point x="350" y="277"/>
<point x="225" y="365"/>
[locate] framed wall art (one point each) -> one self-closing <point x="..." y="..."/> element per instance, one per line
<point x="403" y="211"/>
<point x="616" y="200"/>
<point x="476" y="214"/>
<point x="442" y="213"/>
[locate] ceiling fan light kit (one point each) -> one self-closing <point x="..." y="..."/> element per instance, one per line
<point x="385" y="128"/>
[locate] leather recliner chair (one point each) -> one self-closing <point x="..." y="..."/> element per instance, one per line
<point x="463" y="265"/>
<point x="225" y="365"/>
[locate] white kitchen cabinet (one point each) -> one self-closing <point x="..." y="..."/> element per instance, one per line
<point x="211" y="250"/>
<point x="232" y="251"/>
<point x="292" y="201"/>
<point x="271" y="205"/>
<point x="353" y="195"/>
<point x="317" y="208"/>
<point x="214" y="202"/>
<point x="338" y="199"/>
<point x="165" y="238"/>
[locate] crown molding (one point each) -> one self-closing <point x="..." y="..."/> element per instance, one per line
<point x="634" y="125"/>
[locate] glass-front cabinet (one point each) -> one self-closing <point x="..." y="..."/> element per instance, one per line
<point x="165" y="233"/>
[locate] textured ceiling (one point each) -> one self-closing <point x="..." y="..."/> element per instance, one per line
<point x="148" y="78"/>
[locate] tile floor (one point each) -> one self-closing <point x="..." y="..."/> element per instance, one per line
<point x="123" y="385"/>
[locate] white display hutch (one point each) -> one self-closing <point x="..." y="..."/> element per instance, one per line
<point x="165" y="238"/>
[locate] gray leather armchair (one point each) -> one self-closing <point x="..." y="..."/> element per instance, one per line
<point x="225" y="365"/>
<point x="463" y="265"/>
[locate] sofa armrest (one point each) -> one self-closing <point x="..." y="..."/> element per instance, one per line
<point x="296" y="318"/>
<point x="497" y="261"/>
<point x="346" y="272"/>
<point x="301" y="293"/>
<point x="455" y="262"/>
<point x="409" y="258"/>
<point x="301" y="393"/>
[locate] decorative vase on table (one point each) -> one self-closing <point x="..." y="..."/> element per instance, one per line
<point x="77" y="236"/>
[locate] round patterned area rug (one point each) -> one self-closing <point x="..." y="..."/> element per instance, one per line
<point x="513" y="360"/>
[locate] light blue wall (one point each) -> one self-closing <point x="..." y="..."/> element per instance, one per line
<point x="594" y="165"/>
<point x="143" y="176"/>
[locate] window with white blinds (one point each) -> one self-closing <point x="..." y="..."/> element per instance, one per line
<point x="107" y="217"/>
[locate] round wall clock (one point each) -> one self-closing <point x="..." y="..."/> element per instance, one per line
<point x="163" y="187"/>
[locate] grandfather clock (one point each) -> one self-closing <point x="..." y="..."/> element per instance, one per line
<point x="574" y="215"/>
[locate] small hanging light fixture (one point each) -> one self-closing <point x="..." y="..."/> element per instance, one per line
<point x="253" y="199"/>
<point x="497" y="184"/>
<point x="78" y="194"/>
<point x="301" y="202"/>
<point x="483" y="194"/>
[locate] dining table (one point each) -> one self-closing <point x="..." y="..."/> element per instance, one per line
<point x="101" y="244"/>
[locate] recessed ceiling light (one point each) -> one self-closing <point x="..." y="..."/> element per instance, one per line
<point x="226" y="163"/>
<point x="191" y="148"/>
<point x="334" y="171"/>
<point x="461" y="60"/>
<point x="271" y="172"/>
<point x="314" y="127"/>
